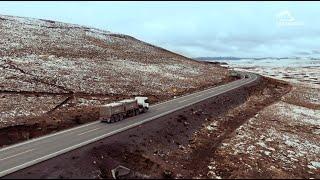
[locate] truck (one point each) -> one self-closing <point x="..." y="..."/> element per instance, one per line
<point x="120" y="110"/>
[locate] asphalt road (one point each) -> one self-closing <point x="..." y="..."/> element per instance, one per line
<point x="22" y="155"/>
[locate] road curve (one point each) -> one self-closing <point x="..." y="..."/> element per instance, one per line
<point x="22" y="155"/>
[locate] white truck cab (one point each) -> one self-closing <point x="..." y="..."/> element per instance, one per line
<point x="143" y="102"/>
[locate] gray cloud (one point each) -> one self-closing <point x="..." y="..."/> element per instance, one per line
<point x="315" y="52"/>
<point x="304" y="53"/>
<point x="194" y="28"/>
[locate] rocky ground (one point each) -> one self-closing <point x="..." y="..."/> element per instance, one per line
<point x="267" y="130"/>
<point x="56" y="71"/>
<point x="301" y="70"/>
<point x="186" y="144"/>
<point x="297" y="75"/>
<point x="281" y="141"/>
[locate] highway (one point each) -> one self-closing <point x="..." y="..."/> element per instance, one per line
<point x="28" y="153"/>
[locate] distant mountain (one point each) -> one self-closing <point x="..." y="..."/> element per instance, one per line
<point x="239" y="58"/>
<point x="217" y="58"/>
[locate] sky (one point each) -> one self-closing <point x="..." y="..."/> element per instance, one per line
<point x="195" y="29"/>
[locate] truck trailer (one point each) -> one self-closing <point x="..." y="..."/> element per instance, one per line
<point x="117" y="111"/>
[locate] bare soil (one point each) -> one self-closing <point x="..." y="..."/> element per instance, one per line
<point x="68" y="112"/>
<point x="173" y="146"/>
<point x="52" y="74"/>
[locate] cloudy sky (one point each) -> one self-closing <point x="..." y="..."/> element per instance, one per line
<point x="242" y="29"/>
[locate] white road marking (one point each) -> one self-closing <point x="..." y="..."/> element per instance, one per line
<point x="161" y="107"/>
<point x="184" y="100"/>
<point x="17" y="154"/>
<point x="96" y="122"/>
<point x="50" y="135"/>
<point x="21" y="166"/>
<point x="203" y="91"/>
<point x="88" y="131"/>
<point x="199" y="95"/>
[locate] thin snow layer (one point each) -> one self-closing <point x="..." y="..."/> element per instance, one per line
<point x="102" y="76"/>
<point x="172" y="71"/>
<point x="14" y="107"/>
<point x="283" y="134"/>
<point x="27" y="36"/>
<point x="298" y="114"/>
<point x="300" y="70"/>
<point x="49" y="57"/>
<point x="12" y="79"/>
<point x="304" y="96"/>
<point x="45" y="55"/>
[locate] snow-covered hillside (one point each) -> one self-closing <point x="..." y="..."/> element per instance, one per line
<point x="56" y="58"/>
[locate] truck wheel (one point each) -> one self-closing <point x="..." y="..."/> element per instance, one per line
<point x="137" y="112"/>
<point x="121" y="117"/>
<point x="144" y="110"/>
<point x="113" y="119"/>
<point x="130" y="113"/>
